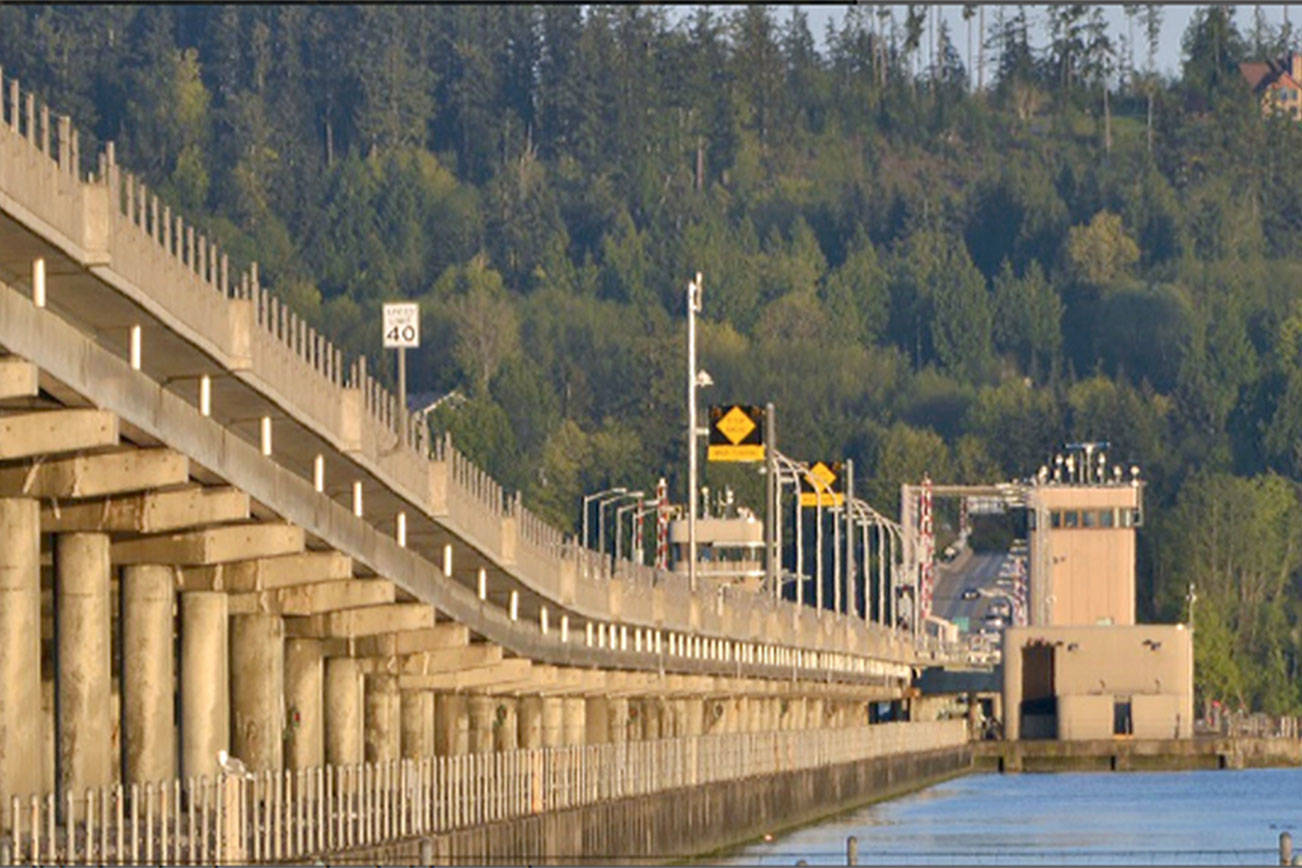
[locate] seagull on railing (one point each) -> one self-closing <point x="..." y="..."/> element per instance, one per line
<point x="232" y="765"/>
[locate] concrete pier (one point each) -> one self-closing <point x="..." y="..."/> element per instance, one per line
<point x="383" y="718"/>
<point x="343" y="712"/>
<point x="304" y="704"/>
<point x="20" y="649"/>
<point x="148" y="673"/>
<point x="618" y="719"/>
<point x="596" y="715"/>
<point x="553" y="721"/>
<point x="205" y="681"/>
<point x="417" y="724"/>
<point x="530" y="712"/>
<point x="483" y="711"/>
<point x="85" y="747"/>
<point x="258" y="691"/>
<point x="574" y="721"/>
<point x="451" y="725"/>
<point x="506" y="724"/>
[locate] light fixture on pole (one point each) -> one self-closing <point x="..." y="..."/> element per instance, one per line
<point x="587" y="500"/>
<point x="695" y="379"/>
<point x="619" y="515"/>
<point x="602" y="503"/>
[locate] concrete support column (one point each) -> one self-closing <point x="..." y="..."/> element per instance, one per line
<point x="800" y="715"/>
<point x="505" y="724"/>
<point x="574" y="721"/>
<point x="451" y="725"/>
<point x="617" y="719"/>
<point x="344" y="744"/>
<point x="258" y="691"/>
<point x="693" y="717"/>
<point x="304" y="704"/>
<point x="383" y="718"/>
<point x="814" y="711"/>
<point x="553" y="721"/>
<point x="596" y="713"/>
<point x="635" y="718"/>
<point x="417" y="724"/>
<point x="83" y="679"/>
<point x="651" y="719"/>
<point x="148" y="673"/>
<point x="678" y="718"/>
<point x="530" y="712"/>
<point x="482" y="712"/>
<point x="21" y="739"/>
<point x="205" y="682"/>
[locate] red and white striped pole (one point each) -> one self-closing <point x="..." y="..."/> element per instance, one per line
<point x="662" y="524"/>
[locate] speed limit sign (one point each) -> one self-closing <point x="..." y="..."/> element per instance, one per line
<point x="401" y="325"/>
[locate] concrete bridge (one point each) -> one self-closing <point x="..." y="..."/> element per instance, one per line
<point x="219" y="536"/>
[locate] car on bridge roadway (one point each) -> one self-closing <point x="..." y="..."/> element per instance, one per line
<point x="970" y="593"/>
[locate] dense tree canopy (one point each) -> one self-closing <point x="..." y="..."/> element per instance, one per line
<point x="923" y="275"/>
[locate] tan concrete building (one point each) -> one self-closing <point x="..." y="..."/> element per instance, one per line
<point x="1084" y="669"/>
<point x="1082" y="551"/>
<point x="1090" y="682"/>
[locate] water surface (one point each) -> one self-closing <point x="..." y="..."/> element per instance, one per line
<point x="1101" y="818"/>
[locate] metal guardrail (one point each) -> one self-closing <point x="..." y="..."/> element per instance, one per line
<point x="290" y="815"/>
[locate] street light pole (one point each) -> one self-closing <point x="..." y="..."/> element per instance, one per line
<point x="619" y="514"/>
<point x="587" y="502"/>
<point x="847" y="603"/>
<point x="772" y="507"/>
<point x="611" y="496"/>
<point x="693" y="306"/>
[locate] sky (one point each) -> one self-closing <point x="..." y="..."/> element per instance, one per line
<point x="1175" y="19"/>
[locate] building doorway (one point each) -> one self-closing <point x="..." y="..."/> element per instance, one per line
<point x="1039" y="703"/>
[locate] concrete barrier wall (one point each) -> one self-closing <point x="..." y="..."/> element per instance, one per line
<point x="679" y="824"/>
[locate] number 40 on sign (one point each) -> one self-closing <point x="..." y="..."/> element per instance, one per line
<point x="401" y="325"/>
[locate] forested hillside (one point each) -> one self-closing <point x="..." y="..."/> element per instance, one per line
<point x="923" y="275"/>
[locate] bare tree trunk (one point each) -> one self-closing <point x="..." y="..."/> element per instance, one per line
<point x="1150" y="118"/>
<point x="981" y="47"/>
<point x="1107" y="121"/>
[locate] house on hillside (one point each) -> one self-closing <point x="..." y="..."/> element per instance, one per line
<point x="1276" y="83"/>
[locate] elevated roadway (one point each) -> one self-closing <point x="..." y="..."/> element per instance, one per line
<point x="222" y="534"/>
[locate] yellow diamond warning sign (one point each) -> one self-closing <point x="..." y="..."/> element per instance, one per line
<point x="736" y="433"/>
<point x="821" y="484"/>
<point x="736" y="425"/>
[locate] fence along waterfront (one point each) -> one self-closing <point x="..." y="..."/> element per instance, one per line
<point x="290" y="815"/>
<point x="113" y="225"/>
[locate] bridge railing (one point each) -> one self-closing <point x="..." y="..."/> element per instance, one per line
<point x="131" y="240"/>
<point x="291" y="815"/>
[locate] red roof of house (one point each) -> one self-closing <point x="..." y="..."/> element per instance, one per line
<point x="1262" y="74"/>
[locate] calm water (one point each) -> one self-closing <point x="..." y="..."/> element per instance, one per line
<point x="1130" y="818"/>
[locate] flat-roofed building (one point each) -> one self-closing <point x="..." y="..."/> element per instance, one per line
<point x="1082" y="552"/>
<point x="1097" y="682"/>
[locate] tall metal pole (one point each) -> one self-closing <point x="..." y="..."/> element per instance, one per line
<point x="587" y="507"/>
<point x="881" y="574"/>
<point x="867" y="574"/>
<point x="693" y="305"/>
<point x="848" y="607"/>
<point x="800" y="546"/>
<point x="772" y="566"/>
<point x="402" y="389"/>
<point x="836" y="560"/>
<point x="818" y="549"/>
<point x="777" y="538"/>
<point x="612" y="496"/>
